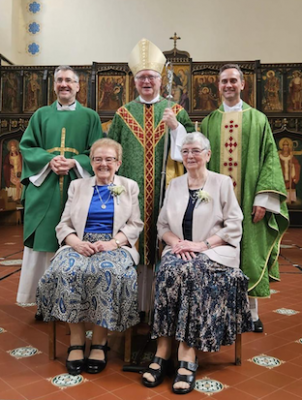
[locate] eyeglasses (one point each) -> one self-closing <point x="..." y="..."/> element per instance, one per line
<point x="107" y="160"/>
<point x="195" y="152"/>
<point x="150" y="78"/>
<point x="66" y="80"/>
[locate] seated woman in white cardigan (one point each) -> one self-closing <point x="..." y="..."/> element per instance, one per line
<point x="93" y="278"/>
<point x="201" y="294"/>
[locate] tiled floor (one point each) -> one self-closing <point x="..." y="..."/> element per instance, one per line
<point x="30" y="378"/>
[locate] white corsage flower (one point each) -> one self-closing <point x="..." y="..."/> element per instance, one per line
<point x="116" y="191"/>
<point x="202" y="195"/>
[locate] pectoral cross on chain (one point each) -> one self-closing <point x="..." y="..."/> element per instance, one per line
<point x="62" y="149"/>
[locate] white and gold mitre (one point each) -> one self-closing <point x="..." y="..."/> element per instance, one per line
<point x="146" y="55"/>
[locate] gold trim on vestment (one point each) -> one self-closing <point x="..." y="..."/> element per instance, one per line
<point x="62" y="149"/>
<point x="70" y="149"/>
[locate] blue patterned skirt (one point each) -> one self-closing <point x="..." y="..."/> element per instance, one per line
<point x="101" y="289"/>
<point x="200" y="302"/>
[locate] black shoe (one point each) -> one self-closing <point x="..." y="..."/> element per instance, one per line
<point x="190" y="379"/>
<point x="258" y="326"/>
<point x="75" y="367"/>
<point x="165" y="367"/>
<point x="95" y="366"/>
<point x="38" y="317"/>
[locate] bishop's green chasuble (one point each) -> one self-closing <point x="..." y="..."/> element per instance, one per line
<point x="50" y="133"/>
<point x="140" y="130"/>
<point x="243" y="147"/>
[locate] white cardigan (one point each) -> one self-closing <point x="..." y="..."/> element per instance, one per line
<point x="126" y="214"/>
<point x="221" y="216"/>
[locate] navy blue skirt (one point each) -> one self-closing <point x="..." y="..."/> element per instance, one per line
<point x="200" y="302"/>
<point x="101" y="289"/>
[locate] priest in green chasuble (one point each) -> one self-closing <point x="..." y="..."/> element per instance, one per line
<point x="244" y="148"/>
<point x="55" y="150"/>
<point x="140" y="127"/>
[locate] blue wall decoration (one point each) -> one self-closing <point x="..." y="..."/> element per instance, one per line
<point x="33" y="48"/>
<point x="34" y="7"/>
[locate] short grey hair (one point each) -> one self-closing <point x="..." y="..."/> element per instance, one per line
<point x="66" y="68"/>
<point x="197" y="137"/>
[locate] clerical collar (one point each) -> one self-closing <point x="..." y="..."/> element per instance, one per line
<point x="69" y="107"/>
<point x="236" y="107"/>
<point x="155" y="100"/>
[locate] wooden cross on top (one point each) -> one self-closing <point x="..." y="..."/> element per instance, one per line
<point x="175" y="38"/>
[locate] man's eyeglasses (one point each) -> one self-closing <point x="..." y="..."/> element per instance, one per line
<point x="66" y="80"/>
<point x="107" y="160"/>
<point x="195" y="152"/>
<point x="150" y="78"/>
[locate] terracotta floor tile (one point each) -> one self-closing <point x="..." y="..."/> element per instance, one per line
<point x="61" y="395"/>
<point x="228" y="377"/>
<point x="232" y="393"/>
<point x="85" y="391"/>
<point x="4" y="386"/>
<point x="294" y="388"/>
<point x="281" y="395"/>
<point x="50" y="369"/>
<point x="11" y="367"/>
<point x="297" y="360"/>
<point x="22" y="378"/>
<point x="275" y="378"/>
<point x="135" y="391"/>
<point x="106" y="396"/>
<point x="113" y="381"/>
<point x="291" y="369"/>
<point x="38" y="389"/>
<point x="256" y="387"/>
<point x="286" y="353"/>
<point x="12" y="394"/>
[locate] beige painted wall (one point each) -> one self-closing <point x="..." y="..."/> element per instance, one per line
<point x="82" y="31"/>
<point x="5" y="28"/>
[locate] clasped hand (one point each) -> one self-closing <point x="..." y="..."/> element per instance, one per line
<point x="170" y="119"/>
<point x="61" y="165"/>
<point x="87" y="249"/>
<point x="186" y="249"/>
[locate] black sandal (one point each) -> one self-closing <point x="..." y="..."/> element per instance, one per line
<point x="75" y="367"/>
<point x="95" y="366"/>
<point x="165" y="367"/>
<point x="190" y="379"/>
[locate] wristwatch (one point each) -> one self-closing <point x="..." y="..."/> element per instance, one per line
<point x="118" y="243"/>
<point x="207" y="244"/>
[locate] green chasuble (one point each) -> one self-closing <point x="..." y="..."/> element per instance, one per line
<point x="243" y="147"/>
<point x="50" y="133"/>
<point x="139" y="129"/>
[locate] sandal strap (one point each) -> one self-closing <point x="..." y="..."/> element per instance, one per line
<point x="160" y="361"/>
<point x="103" y="347"/>
<point x="190" y="366"/>
<point x="184" y="378"/>
<point x="76" y="347"/>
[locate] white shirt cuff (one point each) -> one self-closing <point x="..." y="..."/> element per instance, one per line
<point x="177" y="138"/>
<point x="39" y="178"/>
<point x="270" y="201"/>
